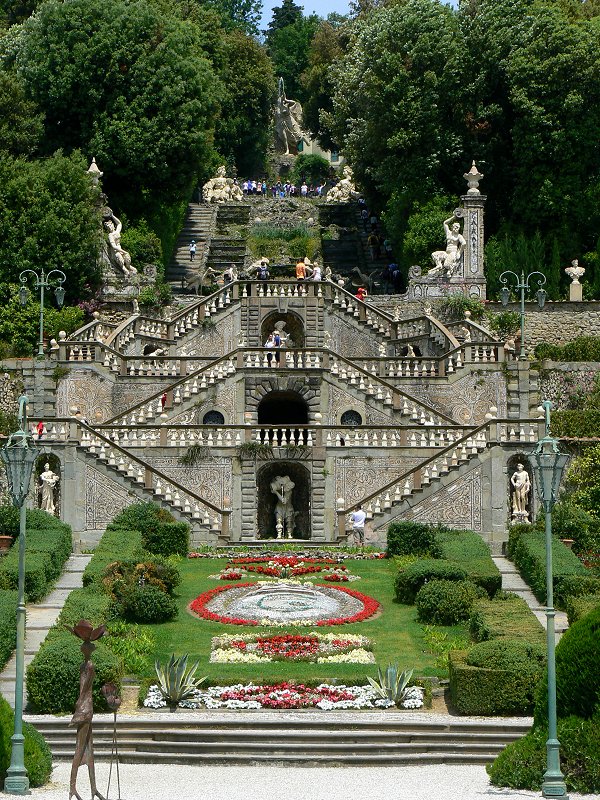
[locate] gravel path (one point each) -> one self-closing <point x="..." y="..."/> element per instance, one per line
<point x="289" y="783"/>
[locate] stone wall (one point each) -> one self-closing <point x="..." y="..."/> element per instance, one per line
<point x="566" y="383"/>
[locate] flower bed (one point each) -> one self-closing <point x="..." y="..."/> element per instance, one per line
<point x="306" y="556"/>
<point x="288" y="567"/>
<point x="287" y="696"/>
<point x="199" y="606"/>
<point x="313" y="647"/>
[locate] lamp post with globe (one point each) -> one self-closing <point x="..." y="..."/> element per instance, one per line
<point x="52" y="280"/>
<point x="522" y="285"/>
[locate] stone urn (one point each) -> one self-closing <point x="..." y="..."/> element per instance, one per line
<point x="5" y="543"/>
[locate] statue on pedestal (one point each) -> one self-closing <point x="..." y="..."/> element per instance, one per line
<point x="118" y="257"/>
<point x="520" y="495"/>
<point x="221" y="189"/>
<point x="575" y="272"/>
<point x="282" y="487"/>
<point x="48" y="480"/>
<point x="447" y="262"/>
<point x="288" y="121"/>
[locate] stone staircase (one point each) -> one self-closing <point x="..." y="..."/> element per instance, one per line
<point x="296" y="738"/>
<point x="199" y="225"/>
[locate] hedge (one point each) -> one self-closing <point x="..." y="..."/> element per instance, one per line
<point x="579" y="424"/>
<point x="468" y="549"/>
<point x="412" y="538"/>
<point x="38" y="759"/>
<point x="117" y="544"/>
<point x="578" y="606"/>
<point x="506" y="616"/>
<point x="35" y="518"/>
<point x="410" y="579"/>
<point x="168" y="539"/>
<point x="8" y="624"/>
<point x="36" y="575"/>
<point x="490" y="692"/>
<point x="528" y="551"/>
<point x="53" y="675"/>
<point x="87" y="603"/>
<point x="582" y="348"/>
<point x="142" y="517"/>
<point x="47" y="550"/>
<point x="446" y="602"/>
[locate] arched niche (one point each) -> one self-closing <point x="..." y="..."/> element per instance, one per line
<point x="213" y="417"/>
<point x="516" y="475"/>
<point x="283" y="408"/>
<point x="267" y="501"/>
<point x="287" y="323"/>
<point x="41" y="497"/>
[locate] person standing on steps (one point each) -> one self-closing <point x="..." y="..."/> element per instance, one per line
<point x="358" y="526"/>
<point x="277" y="346"/>
<point x="192" y="249"/>
<point x="270" y="345"/>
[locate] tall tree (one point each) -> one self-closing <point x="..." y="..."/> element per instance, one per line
<point x="21" y="124"/>
<point x="285" y="14"/>
<point x="242" y="14"/>
<point x="288" y="48"/>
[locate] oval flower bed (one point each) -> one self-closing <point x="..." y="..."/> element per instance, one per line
<point x="199" y="606"/>
<point x="320" y="648"/>
<point x="287" y="695"/>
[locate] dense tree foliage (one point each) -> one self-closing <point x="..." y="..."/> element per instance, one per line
<point x="242" y="14"/>
<point x="21" y="124"/>
<point x="285" y="14"/>
<point x="288" y="46"/>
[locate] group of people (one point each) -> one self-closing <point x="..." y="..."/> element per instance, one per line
<point x="282" y="189"/>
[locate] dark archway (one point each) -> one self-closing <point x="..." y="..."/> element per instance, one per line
<point x="289" y="325"/>
<point x="267" y="501"/>
<point x="213" y="418"/>
<point x="283" y="408"/>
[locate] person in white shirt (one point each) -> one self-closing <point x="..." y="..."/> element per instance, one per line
<point x="358" y="526"/>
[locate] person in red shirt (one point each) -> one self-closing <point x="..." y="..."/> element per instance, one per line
<point x="361" y="293"/>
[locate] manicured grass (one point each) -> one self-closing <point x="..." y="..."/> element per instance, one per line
<point x="395" y="633"/>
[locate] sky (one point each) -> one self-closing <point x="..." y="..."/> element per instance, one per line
<point x="322" y="8"/>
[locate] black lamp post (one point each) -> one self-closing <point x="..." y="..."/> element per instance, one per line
<point x="19" y="455"/>
<point x="42" y="282"/>
<point x="549" y="466"/>
<point x="522" y="285"/>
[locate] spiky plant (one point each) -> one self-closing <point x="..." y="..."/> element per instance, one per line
<point x="392" y="683"/>
<point x="177" y="681"/>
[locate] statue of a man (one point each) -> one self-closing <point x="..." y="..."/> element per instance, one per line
<point x="282" y="487"/>
<point x="48" y="480"/>
<point x="116" y="253"/>
<point x="288" y="120"/>
<point x="521" y="488"/>
<point x="447" y="262"/>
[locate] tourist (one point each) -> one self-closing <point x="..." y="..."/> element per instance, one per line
<point x="316" y="276"/>
<point x="40" y="430"/>
<point x="264" y="188"/>
<point x="361" y="293"/>
<point x="228" y="274"/>
<point x="374" y="246"/>
<point x="270" y="344"/>
<point x="245" y="187"/>
<point x="304" y="189"/>
<point x="364" y="215"/>
<point x="163" y="401"/>
<point x="358" y="526"/>
<point x="262" y="272"/>
<point x="300" y="271"/>
<point x="277" y="346"/>
<point x="192" y="249"/>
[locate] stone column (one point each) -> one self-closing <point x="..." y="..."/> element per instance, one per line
<point x="472" y="279"/>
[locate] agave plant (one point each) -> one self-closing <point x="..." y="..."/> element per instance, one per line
<point x="177" y="681"/>
<point x="392" y="683"/>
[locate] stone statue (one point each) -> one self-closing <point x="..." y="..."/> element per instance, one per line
<point x="84" y="709"/>
<point x="465" y="333"/>
<point x="48" y="480"/>
<point x="288" y="121"/>
<point x="575" y="272"/>
<point x="447" y="262"/>
<point x="521" y="488"/>
<point x="327" y="274"/>
<point x="282" y="487"/>
<point x="221" y="189"/>
<point x="344" y="190"/>
<point x="117" y="256"/>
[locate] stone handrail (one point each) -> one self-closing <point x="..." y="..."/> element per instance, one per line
<point x="93" y="331"/>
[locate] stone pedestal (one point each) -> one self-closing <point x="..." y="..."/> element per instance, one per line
<point x="576" y="292"/>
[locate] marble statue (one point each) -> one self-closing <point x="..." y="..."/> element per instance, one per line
<point x="575" y="272"/>
<point x="282" y="487"/>
<point x="288" y="121"/>
<point x="345" y="190"/>
<point x="327" y="274"/>
<point x="221" y="189"/>
<point x="465" y="333"/>
<point x="48" y="480"/>
<point x="447" y="262"/>
<point x="117" y="256"/>
<point x="521" y="488"/>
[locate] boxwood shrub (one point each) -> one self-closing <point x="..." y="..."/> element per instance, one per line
<point x="87" y="603"/>
<point x="412" y="538"/>
<point x="506" y="616"/>
<point x="491" y="691"/>
<point x="577" y="606"/>
<point x="527" y="549"/>
<point x="142" y="517"/>
<point x="446" y="602"/>
<point x="8" y="624"/>
<point x="38" y="759"/>
<point x="167" y="539"/>
<point x="36" y="574"/>
<point x="35" y="519"/>
<point x="47" y="550"/>
<point x="147" y="604"/>
<point x="117" y="544"/>
<point x="53" y="675"/>
<point x="418" y="573"/>
<point x="468" y="549"/>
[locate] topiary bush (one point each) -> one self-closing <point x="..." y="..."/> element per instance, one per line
<point x="142" y="517"/>
<point x="36" y="574"/>
<point x="167" y="539"/>
<point x="8" y="624"/>
<point x="521" y="765"/>
<point x="410" y="579"/>
<point x="147" y="604"/>
<point x="412" y="538"/>
<point x="53" y="675"/>
<point x="506" y="616"/>
<point x="116" y="544"/>
<point x="577" y="673"/>
<point x="87" y="603"/>
<point x="38" y="759"/>
<point x="468" y="550"/>
<point x="581" y="605"/>
<point x="507" y="654"/>
<point x="120" y="576"/>
<point x="445" y="602"/>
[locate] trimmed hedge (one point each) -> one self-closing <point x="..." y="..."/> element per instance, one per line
<point x="412" y="538"/>
<point x="418" y="573"/>
<point x="468" y="549"/>
<point x="490" y="691"/>
<point x="507" y="654"/>
<point x="35" y="518"/>
<point x="148" y="604"/>
<point x="38" y="759"/>
<point x="117" y="544"/>
<point x="36" y="575"/>
<point x="168" y="539"/>
<point x="527" y="549"/>
<point x="578" y="606"/>
<point x="446" y="602"/>
<point x="506" y="616"/>
<point x="47" y="550"/>
<point x="87" y="603"/>
<point x="521" y="765"/>
<point x="582" y="348"/>
<point x="53" y="675"/>
<point x="142" y="517"/>
<point x="8" y="625"/>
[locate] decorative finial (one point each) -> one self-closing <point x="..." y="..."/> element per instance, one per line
<point x="472" y="177"/>
<point x="95" y="172"/>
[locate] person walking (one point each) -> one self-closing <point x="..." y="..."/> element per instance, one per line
<point x="358" y="526"/>
<point x="192" y="249"/>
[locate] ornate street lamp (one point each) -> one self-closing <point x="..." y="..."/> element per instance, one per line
<point x="522" y="285"/>
<point x="42" y="282"/>
<point x="19" y="455"/>
<point x="549" y="464"/>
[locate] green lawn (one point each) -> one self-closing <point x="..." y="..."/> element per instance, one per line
<point x="395" y="633"/>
